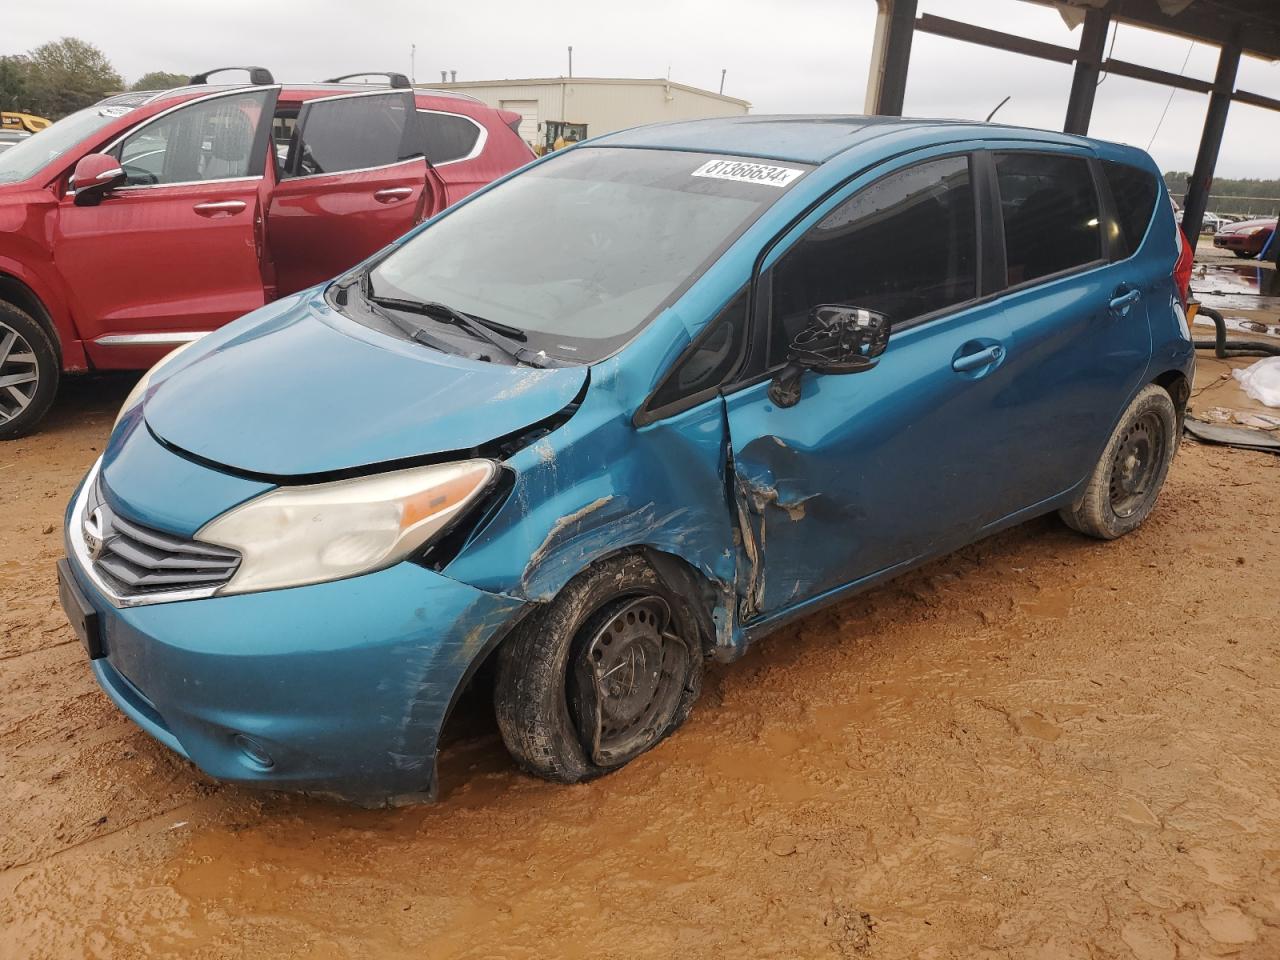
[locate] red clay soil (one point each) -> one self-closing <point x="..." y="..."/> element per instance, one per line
<point x="1043" y="747"/>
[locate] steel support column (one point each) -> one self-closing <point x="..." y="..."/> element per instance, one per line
<point x="1215" y="122"/>
<point x="1093" y="42"/>
<point x="890" y="57"/>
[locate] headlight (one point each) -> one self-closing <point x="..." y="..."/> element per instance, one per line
<point x="297" y="535"/>
<point x="140" y="387"/>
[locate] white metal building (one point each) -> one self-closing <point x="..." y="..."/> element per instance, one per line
<point x="603" y="104"/>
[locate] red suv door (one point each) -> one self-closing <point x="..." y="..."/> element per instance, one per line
<point x="353" y="180"/>
<point x="177" y="251"/>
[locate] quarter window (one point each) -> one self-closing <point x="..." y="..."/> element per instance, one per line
<point x="1050" y="213"/>
<point x="208" y="140"/>
<point x="1134" y="192"/>
<point x="447" y="137"/>
<point x="715" y="356"/>
<point x="905" y="246"/>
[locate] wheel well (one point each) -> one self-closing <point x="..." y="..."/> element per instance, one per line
<point x="704" y="593"/>
<point x="17" y="293"/>
<point x="1175" y="384"/>
<point x="1179" y="390"/>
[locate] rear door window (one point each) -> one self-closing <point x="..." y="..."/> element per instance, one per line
<point x="1134" y="192"/>
<point x="448" y="136"/>
<point x="353" y="132"/>
<point x="1050" y="211"/>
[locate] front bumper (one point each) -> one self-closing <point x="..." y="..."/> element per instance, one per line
<point x="343" y="686"/>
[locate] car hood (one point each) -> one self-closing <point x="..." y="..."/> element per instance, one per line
<point x="1244" y="226"/>
<point x="308" y="391"/>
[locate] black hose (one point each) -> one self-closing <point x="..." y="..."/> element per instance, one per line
<point x="1224" y="348"/>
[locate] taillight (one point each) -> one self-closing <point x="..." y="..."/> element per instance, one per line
<point x="1182" y="267"/>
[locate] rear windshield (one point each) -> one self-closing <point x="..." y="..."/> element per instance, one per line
<point x="1134" y="192"/>
<point x="579" y="252"/>
<point x="40" y="149"/>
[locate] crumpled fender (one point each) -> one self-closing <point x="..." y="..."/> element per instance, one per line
<point x="600" y="485"/>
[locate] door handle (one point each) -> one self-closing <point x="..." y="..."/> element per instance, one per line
<point x="212" y="208"/>
<point x="1121" y="304"/>
<point x="982" y="358"/>
<point x="392" y="194"/>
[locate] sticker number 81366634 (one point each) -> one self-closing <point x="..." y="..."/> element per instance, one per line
<point x="762" y="173"/>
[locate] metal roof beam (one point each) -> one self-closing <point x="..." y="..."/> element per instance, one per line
<point x="1208" y="21"/>
<point x="1084" y="84"/>
<point x="955" y="30"/>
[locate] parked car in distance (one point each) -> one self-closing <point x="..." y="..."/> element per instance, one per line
<point x="1246" y="238"/>
<point x="1210" y="224"/>
<point x="767" y="363"/>
<point x="152" y="218"/>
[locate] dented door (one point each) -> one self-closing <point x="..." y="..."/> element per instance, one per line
<point x="871" y="471"/>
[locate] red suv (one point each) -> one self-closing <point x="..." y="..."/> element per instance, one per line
<point x="149" y="219"/>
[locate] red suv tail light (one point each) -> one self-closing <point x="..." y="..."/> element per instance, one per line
<point x="1182" y="267"/>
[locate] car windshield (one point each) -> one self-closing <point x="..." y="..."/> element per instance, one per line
<point x="580" y="252"/>
<point x="29" y="156"/>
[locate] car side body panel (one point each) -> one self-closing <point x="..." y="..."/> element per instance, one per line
<point x="588" y="479"/>
<point x="102" y="294"/>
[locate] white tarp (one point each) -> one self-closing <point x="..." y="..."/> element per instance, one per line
<point x="1261" y="381"/>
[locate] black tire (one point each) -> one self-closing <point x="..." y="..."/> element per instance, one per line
<point x="1244" y="254"/>
<point x="548" y="676"/>
<point x="26" y="350"/>
<point x="1123" y="487"/>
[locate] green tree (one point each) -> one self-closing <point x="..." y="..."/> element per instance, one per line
<point x="13" y="83"/>
<point x="159" y="80"/>
<point x="67" y="75"/>
<point x="1241" y="196"/>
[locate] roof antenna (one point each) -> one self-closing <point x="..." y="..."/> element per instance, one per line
<point x="998" y="106"/>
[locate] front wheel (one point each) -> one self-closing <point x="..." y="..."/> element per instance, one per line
<point x="29" y="372"/>
<point x="607" y="670"/>
<point x="1124" y="485"/>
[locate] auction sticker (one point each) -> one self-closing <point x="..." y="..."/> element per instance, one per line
<point x="748" y="172"/>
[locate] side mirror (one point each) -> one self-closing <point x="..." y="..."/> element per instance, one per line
<point x="838" y="339"/>
<point x="95" y="175"/>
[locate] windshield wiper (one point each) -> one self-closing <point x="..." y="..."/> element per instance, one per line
<point x="486" y="330"/>
<point x="410" y="330"/>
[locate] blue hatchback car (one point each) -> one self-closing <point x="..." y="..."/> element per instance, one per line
<point x="630" y="408"/>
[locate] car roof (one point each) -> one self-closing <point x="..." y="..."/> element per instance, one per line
<point x="290" y="91"/>
<point x="813" y="138"/>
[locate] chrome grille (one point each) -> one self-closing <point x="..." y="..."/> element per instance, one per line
<point x="133" y="559"/>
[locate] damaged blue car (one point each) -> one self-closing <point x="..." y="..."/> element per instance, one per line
<point x="625" y="411"/>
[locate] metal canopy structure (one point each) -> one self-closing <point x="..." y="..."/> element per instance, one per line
<point x="1236" y="27"/>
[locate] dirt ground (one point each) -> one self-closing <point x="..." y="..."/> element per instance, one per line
<point x="1042" y="747"/>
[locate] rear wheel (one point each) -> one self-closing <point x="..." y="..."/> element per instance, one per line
<point x="1244" y="254"/>
<point x="1123" y="487"/>
<point x="611" y="667"/>
<point x="29" y="372"/>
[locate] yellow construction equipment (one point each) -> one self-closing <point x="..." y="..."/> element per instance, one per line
<point x="14" y="122"/>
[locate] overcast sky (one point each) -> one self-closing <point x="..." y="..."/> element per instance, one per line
<point x="785" y="56"/>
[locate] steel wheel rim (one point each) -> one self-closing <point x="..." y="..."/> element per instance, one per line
<point x="629" y="679"/>
<point x="1136" y="465"/>
<point x="19" y="374"/>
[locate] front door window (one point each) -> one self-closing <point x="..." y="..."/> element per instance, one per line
<point x="213" y="139"/>
<point x="905" y="247"/>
